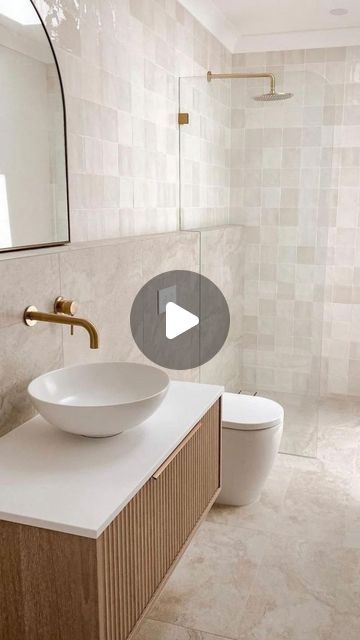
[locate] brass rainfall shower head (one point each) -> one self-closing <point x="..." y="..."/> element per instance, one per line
<point x="273" y="96"/>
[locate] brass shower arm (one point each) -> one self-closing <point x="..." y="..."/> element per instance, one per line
<point x="229" y="76"/>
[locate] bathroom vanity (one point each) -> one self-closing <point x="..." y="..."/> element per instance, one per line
<point x="91" y="529"/>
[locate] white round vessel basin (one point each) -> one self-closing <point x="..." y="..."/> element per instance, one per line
<point x="99" y="400"/>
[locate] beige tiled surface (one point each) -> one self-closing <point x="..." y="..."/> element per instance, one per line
<point x="286" y="567"/>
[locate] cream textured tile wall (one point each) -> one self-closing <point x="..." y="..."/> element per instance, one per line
<point x="120" y="62"/>
<point x="295" y="187"/>
<point x="341" y="370"/>
<point x="205" y="153"/>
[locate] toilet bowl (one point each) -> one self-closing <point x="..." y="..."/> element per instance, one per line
<point x="252" y="430"/>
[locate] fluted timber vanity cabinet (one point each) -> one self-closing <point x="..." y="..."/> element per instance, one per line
<point x="90" y="530"/>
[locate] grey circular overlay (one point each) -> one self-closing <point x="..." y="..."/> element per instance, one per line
<point x="167" y="305"/>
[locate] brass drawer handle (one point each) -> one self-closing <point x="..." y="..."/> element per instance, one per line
<point x="173" y="455"/>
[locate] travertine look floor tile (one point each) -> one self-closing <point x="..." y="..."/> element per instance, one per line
<point x="262" y="515"/>
<point x="155" y="630"/>
<point x="337" y="447"/>
<point x="346" y="618"/>
<point x="337" y="411"/>
<point x="348" y="584"/>
<point x="314" y="507"/>
<point x="209" y="588"/>
<point x="294" y="595"/>
<point x="344" y="627"/>
<point x="357" y="464"/>
<point x="352" y="521"/>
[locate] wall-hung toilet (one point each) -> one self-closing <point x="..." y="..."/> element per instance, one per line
<point x="252" y="430"/>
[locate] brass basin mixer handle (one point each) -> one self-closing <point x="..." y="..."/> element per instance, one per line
<point x="68" y="307"/>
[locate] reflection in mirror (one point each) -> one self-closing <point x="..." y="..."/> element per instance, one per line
<point x="33" y="172"/>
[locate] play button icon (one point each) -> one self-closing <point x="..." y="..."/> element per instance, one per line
<point x="178" y="320"/>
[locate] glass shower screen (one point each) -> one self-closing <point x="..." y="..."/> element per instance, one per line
<point x="258" y="183"/>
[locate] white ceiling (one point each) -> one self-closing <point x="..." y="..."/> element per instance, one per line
<point x="259" y="25"/>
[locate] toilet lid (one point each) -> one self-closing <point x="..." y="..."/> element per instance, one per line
<point x="250" y="412"/>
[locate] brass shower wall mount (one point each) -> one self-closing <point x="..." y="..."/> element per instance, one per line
<point x="183" y="118"/>
<point x="231" y="76"/>
<point x="271" y="96"/>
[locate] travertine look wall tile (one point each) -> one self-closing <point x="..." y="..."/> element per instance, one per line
<point x="104" y="280"/>
<point x="222" y="261"/>
<point x="25" y="352"/>
<point x="170" y="252"/>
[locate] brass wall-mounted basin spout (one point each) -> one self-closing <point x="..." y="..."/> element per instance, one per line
<point x="32" y="316"/>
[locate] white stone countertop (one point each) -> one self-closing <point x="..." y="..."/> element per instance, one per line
<point x="54" y="480"/>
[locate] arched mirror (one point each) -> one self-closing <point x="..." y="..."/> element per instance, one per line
<point x="33" y="168"/>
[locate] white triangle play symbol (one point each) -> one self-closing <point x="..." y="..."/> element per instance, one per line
<point x="178" y="320"/>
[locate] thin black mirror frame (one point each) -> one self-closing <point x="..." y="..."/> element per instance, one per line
<point x="62" y="242"/>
